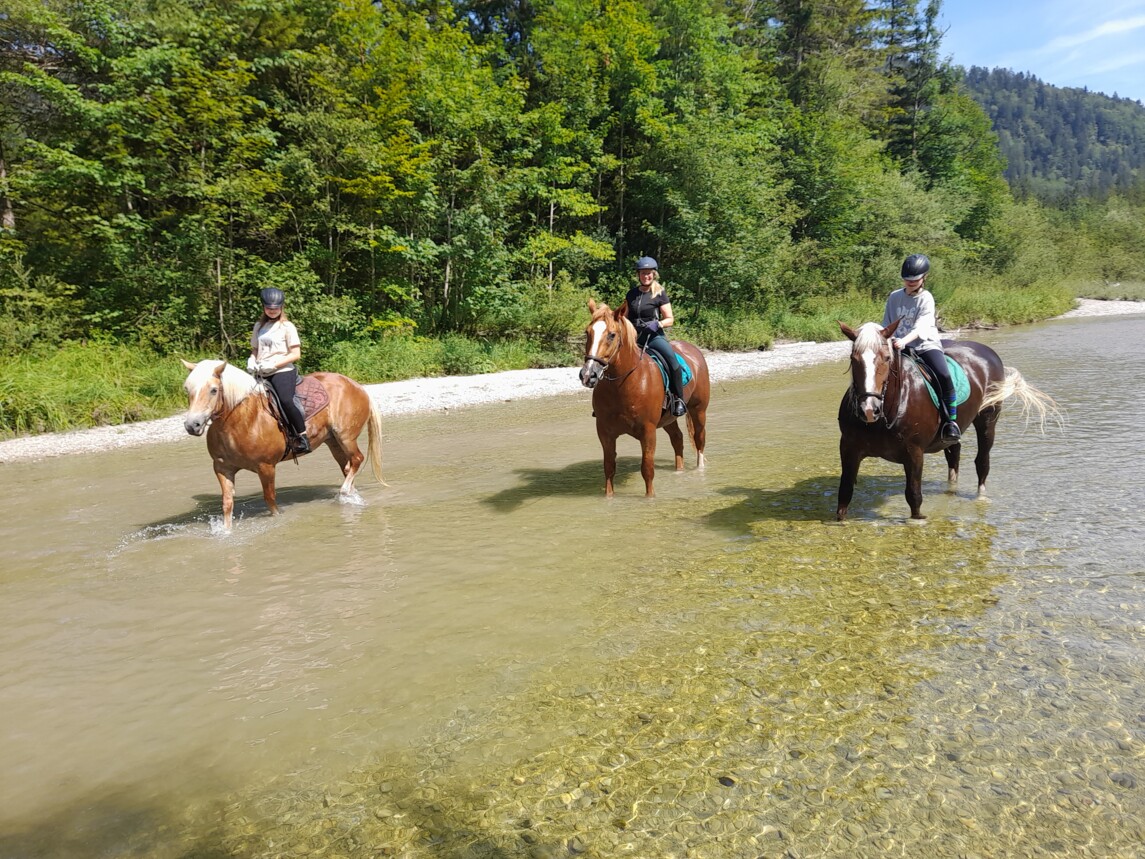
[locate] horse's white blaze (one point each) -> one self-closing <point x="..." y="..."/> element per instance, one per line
<point x="598" y="329"/>
<point x="867" y="344"/>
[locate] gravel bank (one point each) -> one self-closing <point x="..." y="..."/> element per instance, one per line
<point x="425" y="395"/>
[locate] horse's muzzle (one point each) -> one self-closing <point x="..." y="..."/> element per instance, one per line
<point x="590" y="373"/>
<point x="195" y="426"/>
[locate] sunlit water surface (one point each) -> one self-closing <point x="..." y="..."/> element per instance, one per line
<point x="487" y="658"/>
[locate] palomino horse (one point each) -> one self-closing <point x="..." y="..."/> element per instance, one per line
<point x="628" y="393"/>
<point x="888" y="413"/>
<point x="243" y="434"/>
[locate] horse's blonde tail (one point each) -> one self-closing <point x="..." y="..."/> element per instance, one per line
<point x="374" y="447"/>
<point x="1033" y="403"/>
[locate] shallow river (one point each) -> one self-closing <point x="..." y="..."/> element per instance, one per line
<point x="488" y="659"/>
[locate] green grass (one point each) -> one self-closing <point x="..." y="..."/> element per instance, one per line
<point x="998" y="304"/>
<point x="86" y="385"/>
<point x="1129" y="290"/>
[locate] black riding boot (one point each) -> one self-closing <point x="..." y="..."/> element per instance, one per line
<point x="936" y="361"/>
<point x="676" y="383"/>
<point x="660" y="345"/>
<point x="284" y="384"/>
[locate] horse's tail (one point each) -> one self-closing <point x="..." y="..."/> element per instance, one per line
<point x="374" y="447"/>
<point x="1033" y="403"/>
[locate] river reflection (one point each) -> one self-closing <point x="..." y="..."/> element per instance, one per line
<point x="491" y="660"/>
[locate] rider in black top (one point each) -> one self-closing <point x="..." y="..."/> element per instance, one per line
<point x="650" y="310"/>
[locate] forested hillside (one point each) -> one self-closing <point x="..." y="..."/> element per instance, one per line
<point x="476" y="167"/>
<point x="1063" y="143"/>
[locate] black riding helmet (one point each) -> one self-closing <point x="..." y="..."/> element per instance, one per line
<point x="646" y="262"/>
<point x="915" y="266"/>
<point x="272" y="297"/>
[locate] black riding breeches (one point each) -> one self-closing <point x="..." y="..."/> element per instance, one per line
<point x="284" y="383"/>
<point x="660" y="345"/>
<point x="935" y="359"/>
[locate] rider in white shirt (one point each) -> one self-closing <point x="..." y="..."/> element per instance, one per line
<point x="918" y="333"/>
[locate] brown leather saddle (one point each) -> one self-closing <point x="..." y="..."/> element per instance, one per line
<point x="309" y="394"/>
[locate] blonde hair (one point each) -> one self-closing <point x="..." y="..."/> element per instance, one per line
<point x="656" y="287"/>
<point x="262" y="320"/>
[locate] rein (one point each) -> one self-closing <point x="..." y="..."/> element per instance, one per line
<point x="893" y="373"/>
<point x="605" y="365"/>
<point x="881" y="396"/>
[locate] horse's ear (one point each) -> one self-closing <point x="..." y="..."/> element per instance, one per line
<point x="188" y="364"/>
<point x="591" y="306"/>
<point x="622" y="311"/>
<point x="890" y="329"/>
<point x="219" y="369"/>
<point x="849" y="331"/>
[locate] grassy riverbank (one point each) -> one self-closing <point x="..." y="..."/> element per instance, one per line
<point x="100" y="383"/>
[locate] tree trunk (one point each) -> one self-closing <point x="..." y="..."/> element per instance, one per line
<point x="7" y="215"/>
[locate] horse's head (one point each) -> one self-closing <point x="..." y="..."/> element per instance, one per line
<point x="607" y="333"/>
<point x="212" y="387"/>
<point x="872" y="358"/>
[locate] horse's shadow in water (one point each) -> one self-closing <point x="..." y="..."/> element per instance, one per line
<point x="582" y="479"/>
<point x="246" y="507"/>
<point x="809" y="500"/>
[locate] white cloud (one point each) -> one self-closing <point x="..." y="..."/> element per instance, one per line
<point x="1101" y="31"/>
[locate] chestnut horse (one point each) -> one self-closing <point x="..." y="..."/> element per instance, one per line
<point x="243" y="434"/>
<point x="887" y="412"/>
<point x="628" y="393"/>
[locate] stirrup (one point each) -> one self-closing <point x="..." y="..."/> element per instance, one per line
<point x="301" y="444"/>
<point x="950" y="431"/>
<point x="678" y="407"/>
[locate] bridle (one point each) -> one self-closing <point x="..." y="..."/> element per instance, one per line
<point x="604" y="365"/>
<point x="893" y="371"/>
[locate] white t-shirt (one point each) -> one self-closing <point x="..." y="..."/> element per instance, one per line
<point x="274" y="340"/>
<point x="917" y="312"/>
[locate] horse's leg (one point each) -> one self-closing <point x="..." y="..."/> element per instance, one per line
<point x="850" y="458"/>
<point x="984" y="424"/>
<point x="349" y="458"/>
<point x="226" y="478"/>
<point x="698" y="426"/>
<point x="266" y="475"/>
<point x="953" y="455"/>
<point x="677" y="438"/>
<point x="608" y="445"/>
<point x="648" y="457"/>
<point x="912" y="467"/>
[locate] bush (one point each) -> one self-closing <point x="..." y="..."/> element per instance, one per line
<point x="85" y="385"/>
<point x="722" y="331"/>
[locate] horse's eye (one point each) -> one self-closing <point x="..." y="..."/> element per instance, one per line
<point x="214" y="390"/>
<point x="611" y="335"/>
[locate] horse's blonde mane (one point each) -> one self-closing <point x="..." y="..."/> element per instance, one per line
<point x="869" y="336"/>
<point x="237" y="383"/>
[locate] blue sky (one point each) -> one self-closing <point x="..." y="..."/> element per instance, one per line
<point x="1067" y="43"/>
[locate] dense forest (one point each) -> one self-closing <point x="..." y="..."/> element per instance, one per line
<point x="474" y="169"/>
<point x="1063" y="143"/>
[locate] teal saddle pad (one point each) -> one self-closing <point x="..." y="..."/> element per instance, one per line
<point x="957" y="376"/>
<point x="685" y="370"/>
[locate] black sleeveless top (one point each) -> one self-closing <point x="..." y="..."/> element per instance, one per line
<point x="644" y="306"/>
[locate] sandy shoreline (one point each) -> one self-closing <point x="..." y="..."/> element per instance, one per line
<point x="435" y="394"/>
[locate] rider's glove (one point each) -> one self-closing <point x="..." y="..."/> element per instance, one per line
<point x="251" y="365"/>
<point x="652" y="325"/>
<point x="267" y="367"/>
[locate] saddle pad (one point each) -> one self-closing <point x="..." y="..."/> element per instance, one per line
<point x="311" y="396"/>
<point x="685" y="370"/>
<point x="957" y="376"/>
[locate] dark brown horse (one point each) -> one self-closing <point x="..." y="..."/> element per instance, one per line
<point x="888" y="413"/>
<point x="628" y="393"/>
<point x="244" y="435"/>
